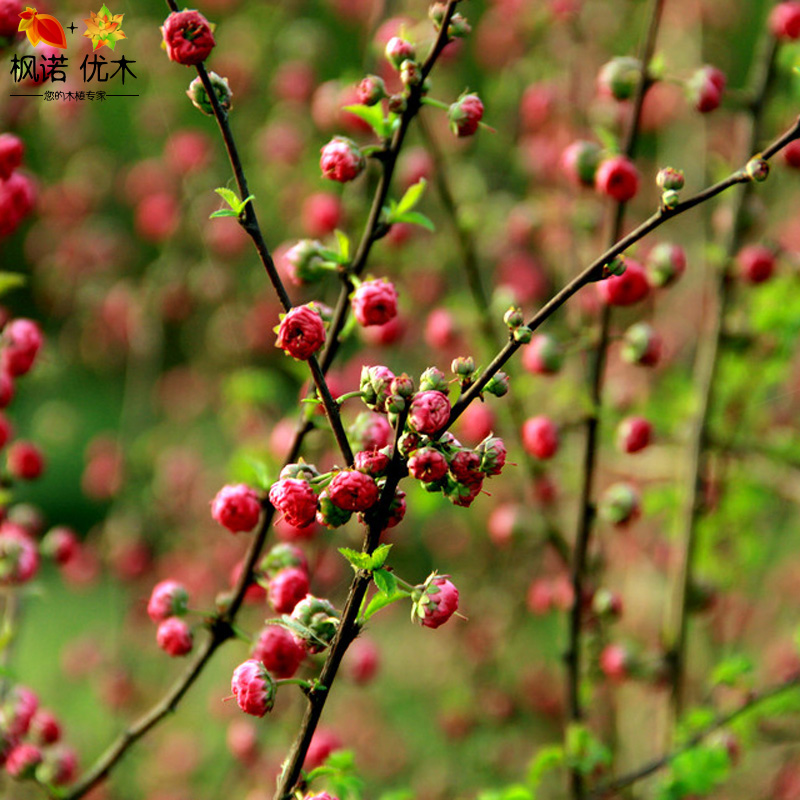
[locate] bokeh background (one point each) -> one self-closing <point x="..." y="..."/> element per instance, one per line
<point x="160" y="381"/>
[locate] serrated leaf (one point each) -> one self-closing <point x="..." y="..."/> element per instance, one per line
<point x="357" y="560"/>
<point x="415" y="218"/>
<point x="373" y="116"/>
<point x="412" y="196"/>
<point x="379" y="556"/>
<point x="228" y="195"/>
<point x="344" y="245"/>
<point x="10" y="281"/>
<point x="224" y="212"/>
<point x="385" y="581"/>
<point x="381" y="600"/>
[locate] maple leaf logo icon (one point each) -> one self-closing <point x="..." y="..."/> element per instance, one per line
<point x="42" y="28"/>
<point x="104" y="28"/>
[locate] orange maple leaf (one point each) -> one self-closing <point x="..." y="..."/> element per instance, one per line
<point x="42" y="28"/>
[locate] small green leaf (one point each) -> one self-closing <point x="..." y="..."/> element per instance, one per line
<point x="385" y="581"/>
<point x="548" y="758"/>
<point x="607" y="139"/>
<point x="381" y="600"/>
<point x="357" y="560"/>
<point x="224" y="212"/>
<point x="731" y="671"/>
<point x="228" y="195"/>
<point x="415" y="218"/>
<point x="10" y="281"/>
<point x="373" y="116"/>
<point x="379" y="556"/>
<point x="412" y="196"/>
<point x="344" y="245"/>
<point x="260" y="472"/>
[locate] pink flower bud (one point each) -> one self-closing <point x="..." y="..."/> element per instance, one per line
<point x="280" y="557"/>
<point x="620" y="504"/>
<point x="11" y="151"/>
<point x="60" y="543"/>
<point x="18" y="710"/>
<point x="44" y="728"/>
<point x="430" y="411"/>
<point x="617" y="178"/>
<point x="791" y="154"/>
<point x="301" y="332"/>
<point x="351" y="490"/>
<point x="705" y="89"/>
<point x="784" y="20"/>
<point x="25" y="461"/>
<point x="372" y="462"/>
<point x="322" y="213"/>
<point x="465" y="114"/>
<point x="188" y="37"/>
<point x="296" y="500"/>
<point x="427" y="464"/>
<point x="168" y="599"/>
<point x="375" y="302"/>
<point x="236" y="507"/>
<point x="287" y="589"/>
<point x="543" y="355"/>
<point x="666" y="262"/>
<point x="22" y="761"/>
<point x="438" y="603"/>
<point x="341" y="160"/>
<point x="22" y="340"/>
<point x="278" y="651"/>
<point x="642" y="345"/>
<point x="59" y="766"/>
<point x="619" y="77"/>
<point x="540" y="437"/>
<point x="323" y="743"/>
<point x="634" y="434"/>
<point x="371" y="90"/>
<point x="174" y="637"/>
<point x="19" y="558"/>
<point x="756" y="263"/>
<point x="363" y="660"/>
<point x="615" y="662"/>
<point x="580" y="162"/>
<point x="626" y="289"/>
<point x="399" y="50"/>
<point x="253" y="688"/>
<point x="465" y="466"/>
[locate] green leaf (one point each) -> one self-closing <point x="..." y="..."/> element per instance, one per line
<point x="224" y="212"/>
<point x="357" y="560"/>
<point x="412" y="196"/>
<point x="373" y="116"/>
<point x="548" y="758"/>
<point x="10" y="281"/>
<point x="385" y="581"/>
<point x="228" y="195"/>
<point x="344" y="245"/>
<point x="260" y="472"/>
<point x="104" y="11"/>
<point x="415" y="218"/>
<point x="381" y="600"/>
<point x="731" y="671"/>
<point x="380" y="555"/>
<point x="607" y="139"/>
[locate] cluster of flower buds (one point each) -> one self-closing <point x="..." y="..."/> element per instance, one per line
<point x="17" y="191"/>
<point x="670" y="181"/>
<point x="458" y="26"/>
<point x="30" y="741"/>
<point x="613" y="176"/>
<point x="167" y="607"/>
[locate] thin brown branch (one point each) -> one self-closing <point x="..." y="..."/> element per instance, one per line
<point x="610" y="788"/>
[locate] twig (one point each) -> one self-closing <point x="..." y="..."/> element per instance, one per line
<point x="572" y="657"/>
<point x="605" y="790"/>
<point x="705" y="378"/>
